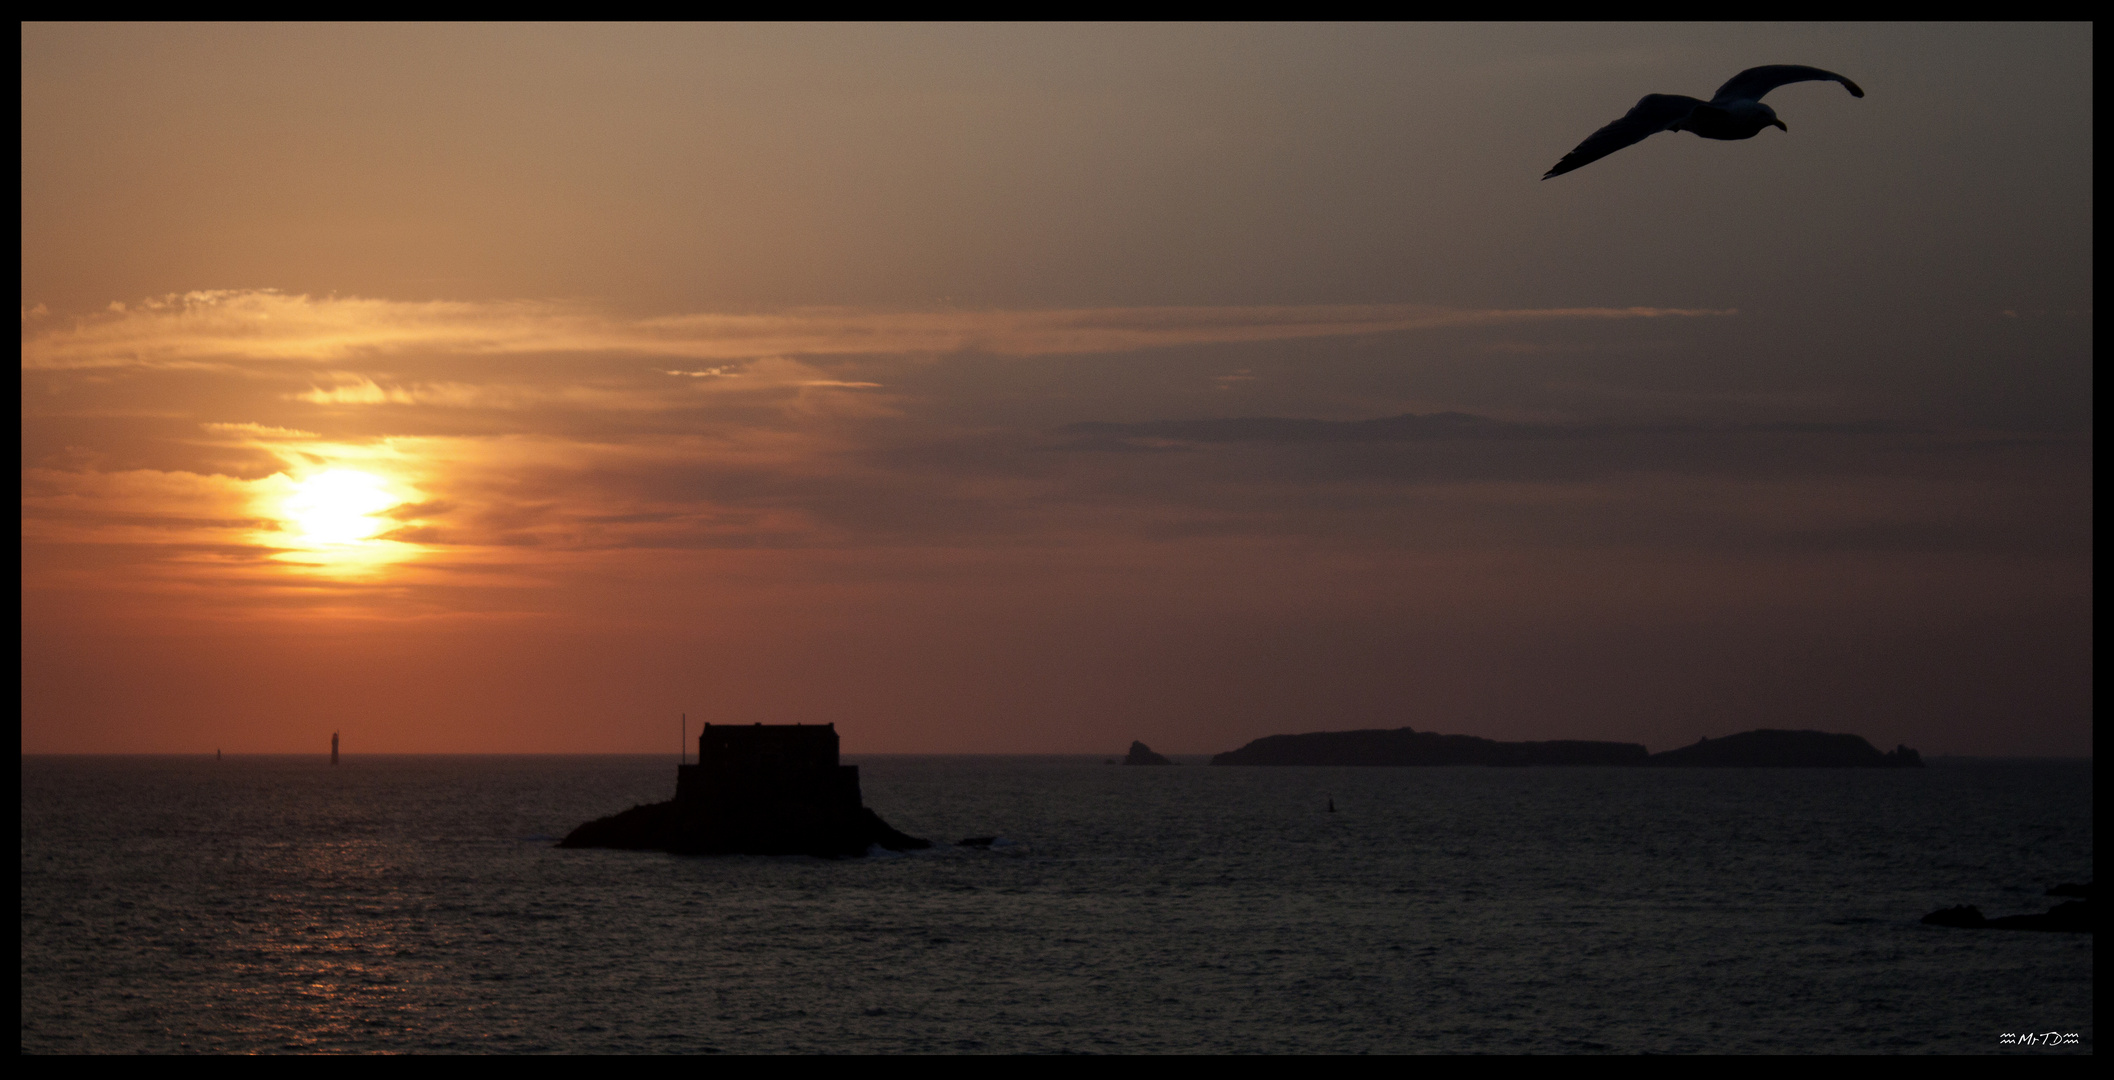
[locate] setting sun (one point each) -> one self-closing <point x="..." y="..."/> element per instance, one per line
<point x="338" y="507"/>
<point x="336" y="522"/>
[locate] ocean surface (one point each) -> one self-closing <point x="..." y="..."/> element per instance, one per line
<point x="417" y="904"/>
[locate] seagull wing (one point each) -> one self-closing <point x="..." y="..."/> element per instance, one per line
<point x="1653" y="114"/>
<point x="1752" y="83"/>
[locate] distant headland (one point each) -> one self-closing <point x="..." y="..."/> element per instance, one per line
<point x="1773" y="748"/>
<point x="763" y="789"/>
<point x="1764" y="748"/>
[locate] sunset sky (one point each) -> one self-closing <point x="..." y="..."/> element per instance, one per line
<point x="1032" y="389"/>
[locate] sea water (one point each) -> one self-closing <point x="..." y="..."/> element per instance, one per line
<point x="418" y="904"/>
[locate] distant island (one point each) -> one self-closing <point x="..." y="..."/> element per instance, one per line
<point x="1772" y="748"/>
<point x="756" y="790"/>
<point x="1765" y="748"/>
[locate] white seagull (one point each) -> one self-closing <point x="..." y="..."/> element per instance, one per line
<point x="1735" y="112"/>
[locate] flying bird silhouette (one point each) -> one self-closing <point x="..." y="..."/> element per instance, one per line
<point x="1734" y="112"/>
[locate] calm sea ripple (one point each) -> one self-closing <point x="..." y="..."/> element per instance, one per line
<point x="416" y="904"/>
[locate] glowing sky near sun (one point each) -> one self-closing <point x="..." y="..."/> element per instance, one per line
<point x="1035" y="389"/>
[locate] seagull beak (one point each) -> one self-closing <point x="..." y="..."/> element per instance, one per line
<point x="1781" y="124"/>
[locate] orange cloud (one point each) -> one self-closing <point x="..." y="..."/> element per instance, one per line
<point x="221" y="327"/>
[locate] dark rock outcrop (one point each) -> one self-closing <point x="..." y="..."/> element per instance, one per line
<point x="1964" y="915"/>
<point x="2074" y="917"/>
<point x="1406" y="746"/>
<point x="1141" y="754"/>
<point x="1773" y="748"/>
<point x="783" y="829"/>
<point x="755" y="790"/>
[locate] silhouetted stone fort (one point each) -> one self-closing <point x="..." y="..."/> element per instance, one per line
<point x="759" y="789"/>
<point x="784" y="762"/>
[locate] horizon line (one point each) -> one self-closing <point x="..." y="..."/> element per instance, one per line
<point x="865" y="753"/>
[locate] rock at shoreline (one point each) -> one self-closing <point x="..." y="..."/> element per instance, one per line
<point x="785" y="829"/>
<point x="1963" y="916"/>
<point x="2073" y="917"/>
<point x="1141" y="754"/>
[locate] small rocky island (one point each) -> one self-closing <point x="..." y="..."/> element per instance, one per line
<point x="1766" y="748"/>
<point x="773" y="789"/>
<point x="1141" y="754"/>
